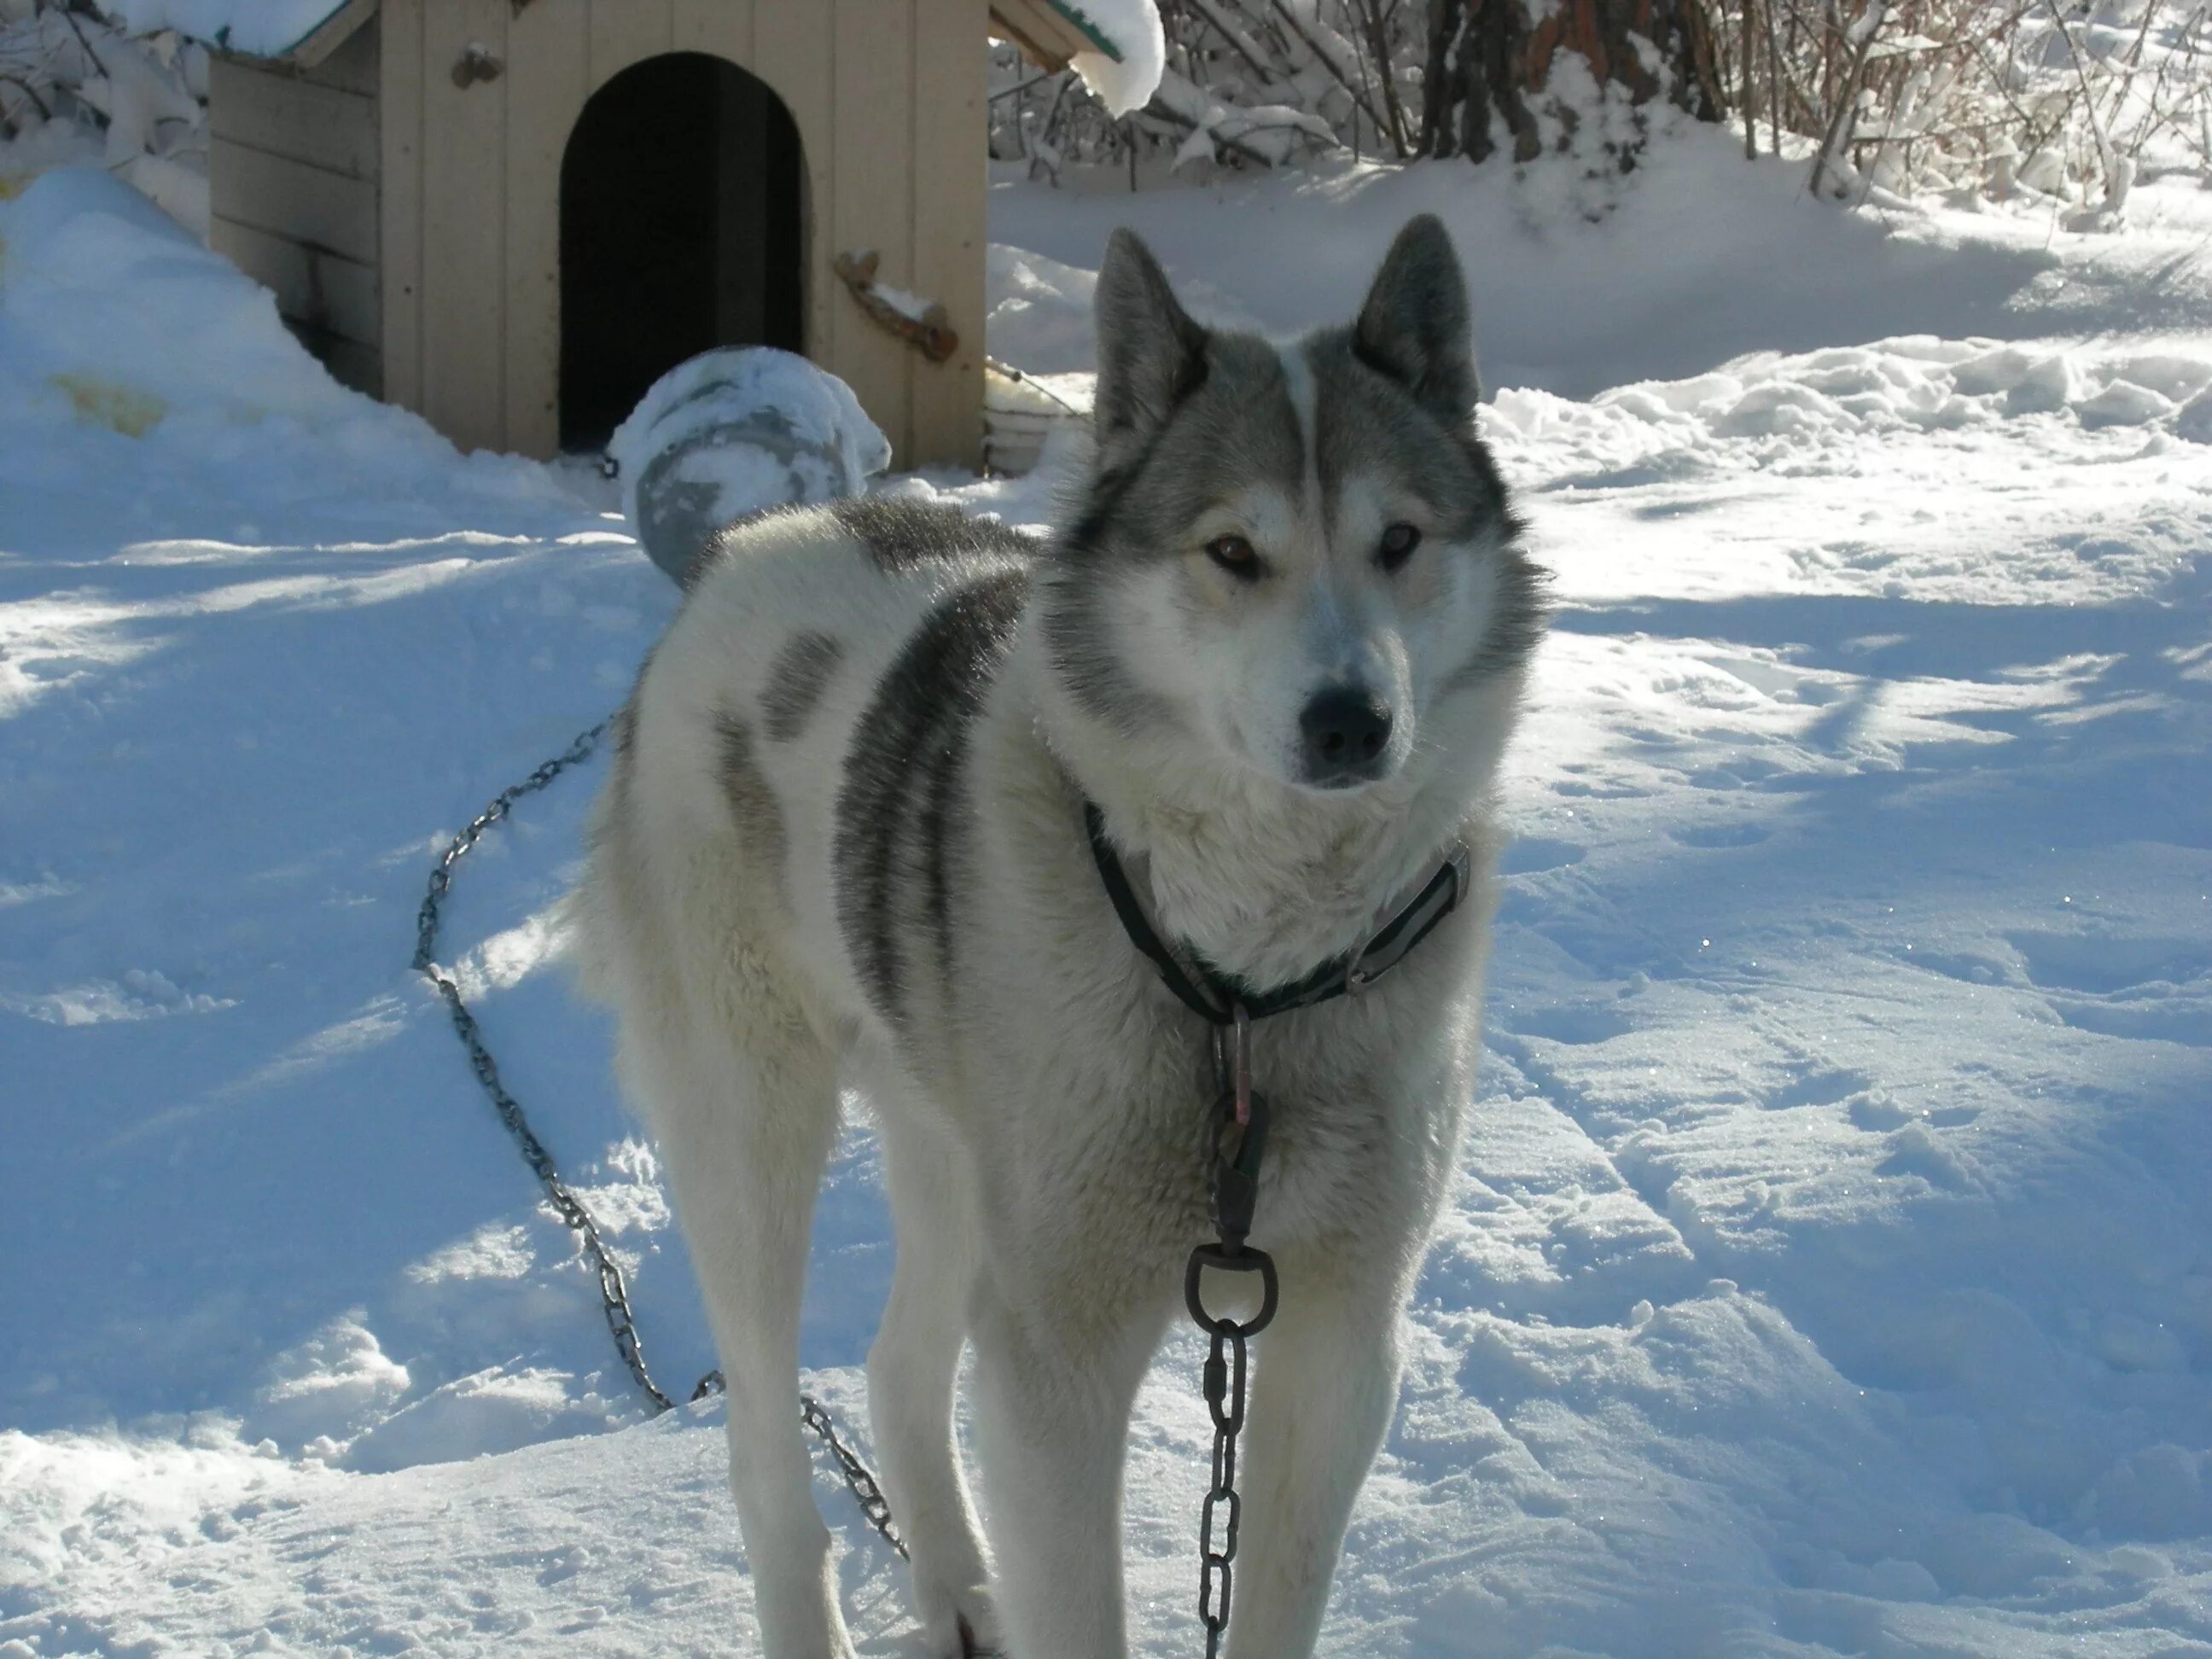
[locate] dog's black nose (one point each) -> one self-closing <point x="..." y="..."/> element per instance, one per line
<point x="1346" y="729"/>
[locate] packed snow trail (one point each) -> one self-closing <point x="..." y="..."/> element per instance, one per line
<point x="1831" y="1272"/>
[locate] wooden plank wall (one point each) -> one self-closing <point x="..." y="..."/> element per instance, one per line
<point x="794" y="51"/>
<point x="400" y="83"/>
<point x="293" y="168"/>
<point x="871" y="159"/>
<point x="466" y="188"/>
<point x="952" y="232"/>
<point x="548" y="62"/>
<point x="888" y="98"/>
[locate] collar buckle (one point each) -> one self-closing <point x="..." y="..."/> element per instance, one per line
<point x="1429" y="907"/>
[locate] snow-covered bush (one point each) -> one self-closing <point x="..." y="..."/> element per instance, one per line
<point x="2067" y="101"/>
<point x="76" y="86"/>
<point x="2064" y="102"/>
<point x="1249" y="83"/>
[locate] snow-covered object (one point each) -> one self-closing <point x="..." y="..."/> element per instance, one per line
<point x="259" y="29"/>
<point x="733" y="431"/>
<point x="1134" y="26"/>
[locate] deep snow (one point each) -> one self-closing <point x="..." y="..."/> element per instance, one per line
<point x="1831" y="1273"/>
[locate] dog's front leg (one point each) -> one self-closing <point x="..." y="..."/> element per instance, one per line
<point x="1324" y="1383"/>
<point x="1054" y="1383"/>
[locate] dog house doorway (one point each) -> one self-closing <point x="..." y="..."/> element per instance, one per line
<point x="682" y="228"/>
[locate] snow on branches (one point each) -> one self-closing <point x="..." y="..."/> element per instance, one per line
<point x="1248" y="84"/>
<point x="75" y="87"/>
<point x="2057" y="103"/>
<point x="2063" y="102"/>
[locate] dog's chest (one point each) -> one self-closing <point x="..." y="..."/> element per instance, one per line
<point x="1341" y="1153"/>
<point x="1344" y="1141"/>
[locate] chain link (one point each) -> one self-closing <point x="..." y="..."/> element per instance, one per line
<point x="1223" y="1384"/>
<point x="614" y="1291"/>
<point x="857" y="1477"/>
<point x="1239" y="1140"/>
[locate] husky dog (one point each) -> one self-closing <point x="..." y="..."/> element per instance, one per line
<point x="1278" y="640"/>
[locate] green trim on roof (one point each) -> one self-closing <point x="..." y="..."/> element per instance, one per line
<point x="222" y="39"/>
<point x="308" y="34"/>
<point x="1074" y="14"/>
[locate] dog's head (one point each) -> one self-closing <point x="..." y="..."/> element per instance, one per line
<point x="1296" y="554"/>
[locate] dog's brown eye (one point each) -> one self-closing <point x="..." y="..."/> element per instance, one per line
<point x="1235" y="555"/>
<point x="1399" y="541"/>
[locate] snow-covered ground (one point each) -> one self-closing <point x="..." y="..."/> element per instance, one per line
<point x="1832" y="1268"/>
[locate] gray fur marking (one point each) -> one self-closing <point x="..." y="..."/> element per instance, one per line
<point x="909" y="535"/>
<point x="1373" y="427"/>
<point x="1414" y="328"/>
<point x="753" y="809"/>
<point x="1151" y="356"/>
<point x="901" y="825"/>
<point x="801" y="673"/>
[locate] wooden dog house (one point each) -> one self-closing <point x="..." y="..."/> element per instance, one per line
<point x="513" y="216"/>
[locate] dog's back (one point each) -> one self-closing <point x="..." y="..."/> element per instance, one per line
<point x="783" y="767"/>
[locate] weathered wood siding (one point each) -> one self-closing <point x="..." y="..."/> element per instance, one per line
<point x="294" y="161"/>
<point x="399" y="84"/>
<point x="888" y="99"/>
<point x="951" y="235"/>
<point x="466" y="186"/>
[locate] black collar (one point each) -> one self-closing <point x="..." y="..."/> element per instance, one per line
<point x="1217" y="996"/>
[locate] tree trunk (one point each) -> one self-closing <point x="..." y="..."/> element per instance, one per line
<point x="1487" y="60"/>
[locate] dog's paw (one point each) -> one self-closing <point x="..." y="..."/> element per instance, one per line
<point x="958" y="1623"/>
<point x="972" y="1646"/>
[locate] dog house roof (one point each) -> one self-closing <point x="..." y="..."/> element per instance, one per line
<point x="304" y="32"/>
<point x="1113" y="44"/>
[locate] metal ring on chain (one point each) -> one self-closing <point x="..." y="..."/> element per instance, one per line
<point x="614" y="1292"/>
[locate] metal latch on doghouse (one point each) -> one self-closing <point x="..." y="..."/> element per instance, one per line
<point x="475" y="63"/>
<point x="921" y="323"/>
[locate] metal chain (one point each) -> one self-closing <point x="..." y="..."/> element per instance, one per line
<point x="1239" y="1140"/>
<point x="1224" y="1384"/>
<point x="1223" y="1379"/>
<point x="857" y="1477"/>
<point x="614" y="1291"/>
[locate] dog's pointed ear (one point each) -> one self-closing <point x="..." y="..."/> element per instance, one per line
<point x="1151" y="354"/>
<point x="1414" y="326"/>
